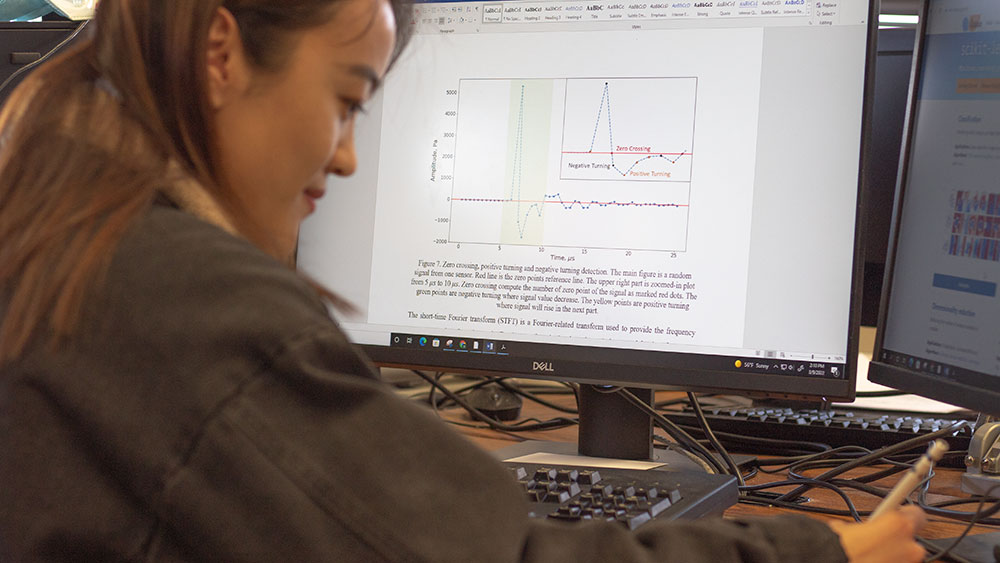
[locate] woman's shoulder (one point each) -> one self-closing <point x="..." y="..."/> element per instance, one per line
<point x="174" y="267"/>
<point x="169" y="233"/>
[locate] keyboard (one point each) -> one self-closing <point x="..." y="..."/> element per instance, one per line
<point x="629" y="497"/>
<point x="835" y="427"/>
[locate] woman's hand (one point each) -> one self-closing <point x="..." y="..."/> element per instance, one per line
<point x="888" y="538"/>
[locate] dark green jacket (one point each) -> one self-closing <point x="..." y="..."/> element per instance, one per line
<point x="210" y="410"/>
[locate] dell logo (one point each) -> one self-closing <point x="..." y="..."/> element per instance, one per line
<point x="542" y="366"/>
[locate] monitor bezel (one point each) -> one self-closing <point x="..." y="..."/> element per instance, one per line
<point x="897" y="377"/>
<point x="677" y="374"/>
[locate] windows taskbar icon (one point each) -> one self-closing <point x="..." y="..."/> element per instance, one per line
<point x="450" y="344"/>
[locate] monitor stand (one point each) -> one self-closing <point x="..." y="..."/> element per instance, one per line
<point x="613" y="433"/>
<point x="982" y="474"/>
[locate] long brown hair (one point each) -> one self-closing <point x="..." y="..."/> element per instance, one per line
<point x="88" y="139"/>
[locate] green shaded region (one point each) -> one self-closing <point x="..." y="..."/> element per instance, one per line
<point x="526" y="177"/>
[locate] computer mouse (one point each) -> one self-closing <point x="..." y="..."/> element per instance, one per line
<point x="495" y="401"/>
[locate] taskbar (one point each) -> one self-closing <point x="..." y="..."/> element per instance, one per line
<point x="547" y="355"/>
<point x="942" y="370"/>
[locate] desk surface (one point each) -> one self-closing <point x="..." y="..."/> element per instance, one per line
<point x="945" y="485"/>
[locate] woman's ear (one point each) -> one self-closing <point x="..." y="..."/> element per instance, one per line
<point x="228" y="71"/>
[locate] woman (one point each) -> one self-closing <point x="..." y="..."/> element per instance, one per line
<point x="171" y="390"/>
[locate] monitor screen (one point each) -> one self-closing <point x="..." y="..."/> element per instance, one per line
<point x="940" y="329"/>
<point x="634" y="193"/>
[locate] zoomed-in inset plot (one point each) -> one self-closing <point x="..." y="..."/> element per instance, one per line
<point x="639" y="129"/>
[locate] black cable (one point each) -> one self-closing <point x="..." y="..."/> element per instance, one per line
<point x="956" y="501"/>
<point x="936" y="509"/>
<point x="796" y="469"/>
<point x="502" y="381"/>
<point x="749" y="498"/>
<point x="430" y="394"/>
<point x="700" y="415"/>
<point x="788" y="462"/>
<point x="836" y="485"/>
<point x="669" y="444"/>
<point x="444" y="401"/>
<point x="532" y="396"/>
<point x="982" y="517"/>
<point x="754" y="470"/>
<point x="474" y="426"/>
<point x="877" y="454"/>
<point x="10" y="79"/>
<point x="846" y="451"/>
<point x="863" y="487"/>
<point x="491" y="422"/>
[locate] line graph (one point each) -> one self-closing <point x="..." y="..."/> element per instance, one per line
<point x="570" y="204"/>
<point x="638" y="129"/>
<point x="507" y="187"/>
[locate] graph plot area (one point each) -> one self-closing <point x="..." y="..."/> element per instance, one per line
<point x="507" y="188"/>
<point x="502" y="149"/>
<point x="635" y="129"/>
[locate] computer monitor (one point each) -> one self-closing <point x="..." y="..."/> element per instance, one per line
<point x="939" y="332"/>
<point x="643" y="194"/>
<point x="892" y="79"/>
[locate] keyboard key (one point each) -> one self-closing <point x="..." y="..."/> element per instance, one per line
<point x="545" y="474"/>
<point x="572" y="488"/>
<point x="604" y="490"/>
<point x="569" y="510"/>
<point x="633" y="521"/>
<point x="655" y="508"/>
<point x="625" y="491"/>
<point x="567" y="475"/>
<point x="589" y="477"/>
<point x="556" y="496"/>
<point x="645" y="494"/>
